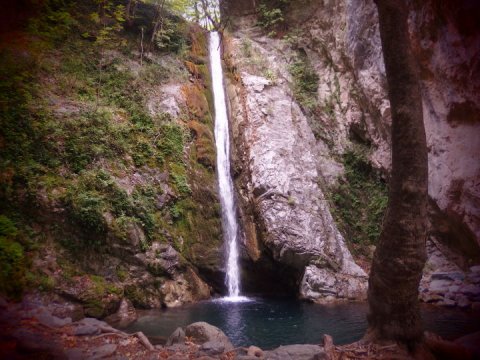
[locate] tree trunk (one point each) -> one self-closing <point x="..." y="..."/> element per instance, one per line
<point x="158" y="21"/>
<point x="130" y="12"/>
<point x="400" y="255"/>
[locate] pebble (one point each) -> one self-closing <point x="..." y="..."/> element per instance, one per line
<point x="470" y="290"/>
<point x="177" y="337"/>
<point x="440" y="286"/>
<point x="213" y="348"/>
<point x="454" y="288"/>
<point x="448" y="276"/>
<point x="463" y="302"/>
<point x="84" y="330"/>
<point x="75" y="354"/>
<point x="52" y="321"/>
<point x="430" y="298"/>
<point x="447" y="303"/>
<point x="475" y="269"/>
<point x="103" y="351"/>
<point x="254" y="351"/>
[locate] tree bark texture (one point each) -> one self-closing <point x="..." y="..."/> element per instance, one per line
<point x="400" y="255"/>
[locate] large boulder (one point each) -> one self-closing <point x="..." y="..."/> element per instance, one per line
<point x="471" y="342"/>
<point x="202" y="332"/>
<point x="177" y="337"/>
<point x="277" y="157"/>
<point x="297" y="352"/>
<point x="125" y="315"/>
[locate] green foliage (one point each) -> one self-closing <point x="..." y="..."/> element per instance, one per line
<point x="305" y="82"/>
<point x="120" y="88"/>
<point x="179" y="176"/>
<point x="87" y="210"/>
<point x="142" y="153"/>
<point x="90" y="136"/>
<point x="69" y="108"/>
<point x="54" y="23"/>
<point x="94" y="195"/>
<point x="109" y="19"/>
<point x="138" y="208"/>
<point x="12" y="260"/>
<point x="293" y="37"/>
<point x="97" y="295"/>
<point x="246" y="46"/>
<point x="7" y="227"/>
<point x="333" y="101"/>
<point x="271" y="15"/>
<point x="171" y="36"/>
<point x="154" y="74"/>
<point x="270" y="75"/>
<point x="23" y="133"/>
<point x="40" y="281"/>
<point x="359" y="201"/>
<point x="171" y="140"/>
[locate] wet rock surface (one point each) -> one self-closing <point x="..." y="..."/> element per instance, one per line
<point x="25" y="334"/>
<point x="297" y="352"/>
<point x="277" y="150"/>
<point x="445" y="283"/>
<point x="204" y="333"/>
<point x="341" y="41"/>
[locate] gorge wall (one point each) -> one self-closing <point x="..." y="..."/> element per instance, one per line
<point x="293" y="145"/>
<point x="107" y="160"/>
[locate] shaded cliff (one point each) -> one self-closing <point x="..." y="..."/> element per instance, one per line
<point x="324" y="61"/>
<point x="107" y="185"/>
<point x="284" y="209"/>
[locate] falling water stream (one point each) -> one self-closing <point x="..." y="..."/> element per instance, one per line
<point x="222" y="143"/>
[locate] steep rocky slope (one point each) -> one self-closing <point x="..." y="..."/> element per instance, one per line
<point x="322" y="64"/>
<point x="278" y="179"/>
<point x="107" y="185"/>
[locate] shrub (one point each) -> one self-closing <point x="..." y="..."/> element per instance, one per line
<point x="171" y="140"/>
<point x="12" y="260"/>
<point x="178" y="173"/>
<point x="305" y="82"/>
<point x="87" y="210"/>
<point x="172" y="36"/>
<point x="359" y="201"/>
<point x="89" y="137"/>
<point x="271" y="15"/>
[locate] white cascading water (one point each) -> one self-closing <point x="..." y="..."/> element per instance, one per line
<point x="222" y="143"/>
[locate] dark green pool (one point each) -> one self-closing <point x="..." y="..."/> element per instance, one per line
<point x="269" y="323"/>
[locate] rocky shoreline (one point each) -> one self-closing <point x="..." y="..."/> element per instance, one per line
<point x="34" y="328"/>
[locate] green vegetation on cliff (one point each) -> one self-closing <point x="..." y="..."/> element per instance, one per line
<point x="12" y="259"/>
<point x="359" y="202"/>
<point x="271" y="16"/>
<point x="89" y="155"/>
<point x="305" y="82"/>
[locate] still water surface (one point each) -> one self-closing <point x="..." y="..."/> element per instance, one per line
<point x="269" y="323"/>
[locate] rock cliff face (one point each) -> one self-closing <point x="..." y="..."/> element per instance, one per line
<point x="279" y="180"/>
<point x="107" y="185"/>
<point x="290" y="154"/>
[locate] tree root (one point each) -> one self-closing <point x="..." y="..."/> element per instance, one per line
<point x="109" y="331"/>
<point x="433" y="347"/>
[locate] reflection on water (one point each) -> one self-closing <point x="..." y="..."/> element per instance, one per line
<point x="269" y="323"/>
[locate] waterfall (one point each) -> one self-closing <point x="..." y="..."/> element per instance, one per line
<point x="222" y="143"/>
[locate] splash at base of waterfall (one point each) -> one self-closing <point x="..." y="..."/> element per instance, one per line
<point x="234" y="299"/>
